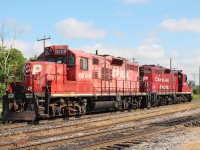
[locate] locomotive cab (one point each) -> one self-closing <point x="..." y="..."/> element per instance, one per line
<point x="183" y="83"/>
<point x="62" y="55"/>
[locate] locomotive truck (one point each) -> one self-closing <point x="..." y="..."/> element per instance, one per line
<point x="65" y="82"/>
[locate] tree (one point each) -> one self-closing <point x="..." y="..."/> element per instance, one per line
<point x="7" y="41"/>
<point x="15" y="59"/>
<point x="33" y="58"/>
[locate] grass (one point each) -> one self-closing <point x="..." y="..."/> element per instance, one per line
<point x="195" y="96"/>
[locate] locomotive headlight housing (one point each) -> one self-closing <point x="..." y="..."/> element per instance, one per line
<point x="29" y="89"/>
<point x="27" y="69"/>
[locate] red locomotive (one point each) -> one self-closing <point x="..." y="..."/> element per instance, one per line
<point x="65" y="82"/>
<point x="166" y="86"/>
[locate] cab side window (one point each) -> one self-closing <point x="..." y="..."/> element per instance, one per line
<point x="71" y="60"/>
<point x="185" y="78"/>
<point x="84" y="63"/>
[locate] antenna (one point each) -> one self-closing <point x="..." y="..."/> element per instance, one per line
<point x="44" y="39"/>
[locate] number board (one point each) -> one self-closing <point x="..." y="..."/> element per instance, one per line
<point x="60" y="51"/>
<point x="48" y="51"/>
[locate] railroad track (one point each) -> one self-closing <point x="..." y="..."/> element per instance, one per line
<point x="54" y="121"/>
<point x="82" y="124"/>
<point x="61" y="123"/>
<point x="128" y="142"/>
<point x="14" y="125"/>
<point x="90" y="133"/>
<point x="59" y="120"/>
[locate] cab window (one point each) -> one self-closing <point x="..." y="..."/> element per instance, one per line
<point x="84" y="63"/>
<point x="70" y="60"/>
<point x="185" y="78"/>
<point x="95" y="61"/>
<point x="147" y="70"/>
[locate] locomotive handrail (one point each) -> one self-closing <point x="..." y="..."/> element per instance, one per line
<point x="43" y="76"/>
<point x="40" y="77"/>
<point x="127" y="87"/>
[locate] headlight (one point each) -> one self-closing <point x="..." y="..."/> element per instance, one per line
<point x="29" y="89"/>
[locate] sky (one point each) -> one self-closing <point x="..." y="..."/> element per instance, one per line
<point x="148" y="31"/>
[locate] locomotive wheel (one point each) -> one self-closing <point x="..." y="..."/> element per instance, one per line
<point x="33" y="122"/>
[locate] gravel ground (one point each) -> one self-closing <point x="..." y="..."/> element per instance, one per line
<point x="166" y="141"/>
<point x="74" y="122"/>
<point x="159" y="142"/>
<point x="169" y="141"/>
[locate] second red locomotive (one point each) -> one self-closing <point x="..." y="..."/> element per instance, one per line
<point x="65" y="82"/>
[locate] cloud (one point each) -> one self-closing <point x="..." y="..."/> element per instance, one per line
<point x="181" y="25"/>
<point x="135" y="1"/>
<point x="29" y="49"/>
<point x="151" y="39"/>
<point x="26" y="48"/>
<point x="18" y="44"/>
<point x="144" y="54"/>
<point x="149" y="52"/>
<point x="12" y="23"/>
<point x="74" y="29"/>
<point x="23" y="47"/>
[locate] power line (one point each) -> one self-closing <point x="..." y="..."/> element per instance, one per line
<point x="44" y="39"/>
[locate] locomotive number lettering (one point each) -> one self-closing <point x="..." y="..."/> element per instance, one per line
<point x="60" y="51"/>
<point x="84" y="76"/>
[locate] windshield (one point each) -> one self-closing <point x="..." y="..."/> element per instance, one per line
<point x="60" y="60"/>
<point x="70" y="60"/>
<point x="51" y="59"/>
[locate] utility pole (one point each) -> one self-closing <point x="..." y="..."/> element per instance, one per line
<point x="199" y="77"/>
<point x="170" y="63"/>
<point x="44" y="39"/>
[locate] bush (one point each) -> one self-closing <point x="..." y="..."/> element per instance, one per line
<point x="196" y="91"/>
